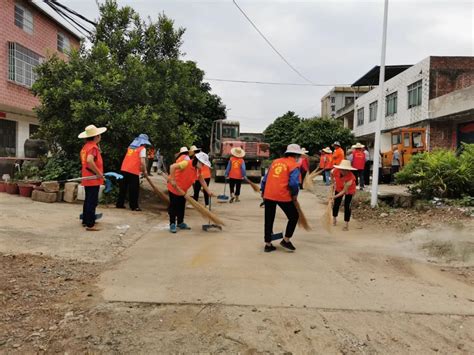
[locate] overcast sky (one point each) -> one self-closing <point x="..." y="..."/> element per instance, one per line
<point x="329" y="42"/>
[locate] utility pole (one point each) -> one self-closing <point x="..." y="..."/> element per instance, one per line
<point x="380" y="105"/>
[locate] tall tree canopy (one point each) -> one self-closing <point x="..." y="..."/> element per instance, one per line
<point x="130" y="80"/>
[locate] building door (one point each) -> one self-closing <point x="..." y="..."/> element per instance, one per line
<point x="466" y="133"/>
<point x="7" y="138"/>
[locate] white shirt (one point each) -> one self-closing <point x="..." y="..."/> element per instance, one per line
<point x="143" y="153"/>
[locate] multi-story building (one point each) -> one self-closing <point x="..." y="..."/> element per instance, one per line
<point x="339" y="97"/>
<point x="436" y="93"/>
<point x="28" y="35"/>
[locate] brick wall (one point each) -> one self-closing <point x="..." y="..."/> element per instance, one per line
<point x="448" y="74"/>
<point x="443" y="135"/>
<point x="43" y="41"/>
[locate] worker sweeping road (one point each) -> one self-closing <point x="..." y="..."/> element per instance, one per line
<point x="280" y="187"/>
<point x="358" y="162"/>
<point x="304" y="166"/>
<point x="133" y="164"/>
<point x="345" y="186"/>
<point x="206" y="174"/>
<point x="92" y="164"/>
<point x="327" y="164"/>
<point x="182" y="176"/>
<point x="236" y="172"/>
<point x="183" y="154"/>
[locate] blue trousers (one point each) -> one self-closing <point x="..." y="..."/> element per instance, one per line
<point x="90" y="203"/>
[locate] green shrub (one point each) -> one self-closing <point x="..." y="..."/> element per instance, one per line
<point x="58" y="167"/>
<point x="440" y="173"/>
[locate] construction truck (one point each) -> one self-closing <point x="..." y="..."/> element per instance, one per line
<point x="226" y="135"/>
<point x="409" y="141"/>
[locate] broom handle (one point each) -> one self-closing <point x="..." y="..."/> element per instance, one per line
<point x="165" y="177"/>
<point x="158" y="192"/>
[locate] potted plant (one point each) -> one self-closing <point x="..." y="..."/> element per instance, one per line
<point x="28" y="177"/>
<point x="11" y="187"/>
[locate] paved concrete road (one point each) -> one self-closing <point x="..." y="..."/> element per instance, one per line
<point x="361" y="270"/>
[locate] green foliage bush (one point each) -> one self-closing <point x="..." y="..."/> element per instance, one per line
<point x="440" y="173"/>
<point x="60" y="167"/>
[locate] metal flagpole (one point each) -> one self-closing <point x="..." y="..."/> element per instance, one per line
<point x="380" y="105"/>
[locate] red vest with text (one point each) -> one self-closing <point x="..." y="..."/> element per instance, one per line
<point x="328" y="165"/>
<point x="341" y="180"/>
<point x="276" y="187"/>
<point x="91" y="148"/>
<point x="236" y="168"/>
<point x="132" y="161"/>
<point x="185" y="178"/>
<point x="358" y="159"/>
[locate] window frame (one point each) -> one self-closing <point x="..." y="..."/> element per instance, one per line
<point x="360" y="117"/>
<point x="65" y="46"/>
<point x="26" y="23"/>
<point x="7" y="149"/>
<point x="391" y="104"/>
<point x="414" y="94"/>
<point x="21" y="64"/>
<point x="373" y="108"/>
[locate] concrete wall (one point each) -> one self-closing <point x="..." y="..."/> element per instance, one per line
<point x="454" y="102"/>
<point x="448" y="74"/>
<point x="404" y="115"/>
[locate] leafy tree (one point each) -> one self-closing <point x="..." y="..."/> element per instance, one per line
<point x="281" y="132"/>
<point x="317" y="133"/>
<point x="132" y="81"/>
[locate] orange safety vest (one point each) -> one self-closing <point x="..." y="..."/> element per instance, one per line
<point x="206" y="171"/>
<point x="338" y="156"/>
<point x="340" y="181"/>
<point x="185" y="178"/>
<point x="236" y="168"/>
<point x="86" y="150"/>
<point x="328" y="162"/>
<point x="358" y="159"/>
<point x="132" y="161"/>
<point x="276" y="186"/>
<point x="321" y="160"/>
<point x="182" y="157"/>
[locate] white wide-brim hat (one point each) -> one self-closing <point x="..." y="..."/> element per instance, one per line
<point x="327" y="150"/>
<point x="237" y="152"/>
<point x="345" y="165"/>
<point x="92" y="131"/>
<point x="304" y="151"/>
<point x="358" y="146"/>
<point x="294" y="149"/>
<point x="183" y="150"/>
<point x="203" y="158"/>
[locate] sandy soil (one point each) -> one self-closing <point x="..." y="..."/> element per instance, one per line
<point x="49" y="301"/>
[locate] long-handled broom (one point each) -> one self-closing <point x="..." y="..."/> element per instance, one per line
<point x="254" y="186"/>
<point x="203" y="211"/>
<point x="308" y="182"/>
<point x="302" y="221"/>
<point x="326" y="218"/>
<point x="161" y="195"/>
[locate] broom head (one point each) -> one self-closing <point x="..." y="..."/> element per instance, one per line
<point x="302" y="221"/>
<point x="203" y="211"/>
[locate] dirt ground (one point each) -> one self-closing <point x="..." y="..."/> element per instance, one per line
<point x="50" y="301"/>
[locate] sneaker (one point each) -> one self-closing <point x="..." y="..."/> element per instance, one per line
<point x="269" y="248"/>
<point x="287" y="245"/>
<point x="184" y="226"/>
<point x="173" y="228"/>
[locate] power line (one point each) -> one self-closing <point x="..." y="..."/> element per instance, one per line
<point x="271" y="45"/>
<point x="272" y="83"/>
<point x="68" y="18"/>
<point x="85" y="33"/>
<point x="74" y="12"/>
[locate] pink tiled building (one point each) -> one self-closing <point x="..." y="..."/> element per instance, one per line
<point x="28" y="35"/>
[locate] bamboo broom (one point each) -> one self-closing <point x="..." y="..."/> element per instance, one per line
<point x="203" y="211"/>
<point x="302" y="221"/>
<point x="161" y="195"/>
<point x="308" y="182"/>
<point x="254" y="186"/>
<point x="326" y="219"/>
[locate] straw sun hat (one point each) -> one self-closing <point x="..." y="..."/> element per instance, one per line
<point x="358" y="146"/>
<point x="327" y="150"/>
<point x="345" y="165"/>
<point x="92" y="131"/>
<point x="194" y="148"/>
<point x="294" y="149"/>
<point x="237" y="152"/>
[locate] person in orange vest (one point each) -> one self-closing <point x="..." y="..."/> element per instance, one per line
<point x="92" y="165"/>
<point x="280" y="187"/>
<point x="133" y="164"/>
<point x="304" y="166"/>
<point x="327" y="165"/>
<point x="236" y="172"/>
<point x="182" y="176"/>
<point x="358" y="162"/>
<point x="345" y="186"/>
<point x="206" y="174"/>
<point x="338" y="154"/>
<point x="150" y="157"/>
<point x="183" y="154"/>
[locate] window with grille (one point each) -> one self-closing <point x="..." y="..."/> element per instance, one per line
<point x="21" y="64"/>
<point x="414" y="94"/>
<point x="7" y="138"/>
<point x="391" y="104"/>
<point x="63" y="43"/>
<point x="23" y="19"/>
<point x="373" y="111"/>
<point x="360" y="116"/>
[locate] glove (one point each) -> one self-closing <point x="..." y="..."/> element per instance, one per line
<point x="115" y="175"/>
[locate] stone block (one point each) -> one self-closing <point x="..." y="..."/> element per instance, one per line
<point x="42" y="196"/>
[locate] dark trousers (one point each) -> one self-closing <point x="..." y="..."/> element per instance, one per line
<point x="131" y="184"/>
<point x="347" y="206"/>
<point x="90" y="203"/>
<point x="235" y="184"/>
<point x="176" y="208"/>
<point x="367" y="172"/>
<point x="291" y="213"/>
<point x="360" y="178"/>
<point x="197" y="188"/>
<point x="303" y="175"/>
<point x="149" y="164"/>
<point x="395" y="169"/>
